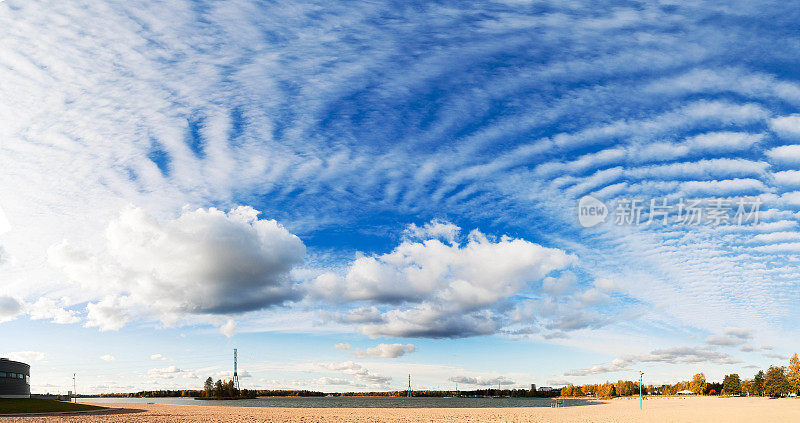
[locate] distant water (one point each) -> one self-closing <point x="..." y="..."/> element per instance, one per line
<point x="354" y="402"/>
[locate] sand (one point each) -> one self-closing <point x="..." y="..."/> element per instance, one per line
<point x="700" y="409"/>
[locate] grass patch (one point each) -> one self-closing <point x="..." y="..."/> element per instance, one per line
<point x="34" y="405"/>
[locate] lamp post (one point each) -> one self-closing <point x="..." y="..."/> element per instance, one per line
<point x="640" y="389"/>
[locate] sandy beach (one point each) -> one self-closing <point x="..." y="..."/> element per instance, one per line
<point x="702" y="409"/>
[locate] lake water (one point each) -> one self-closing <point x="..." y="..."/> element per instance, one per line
<point x="354" y="402"/>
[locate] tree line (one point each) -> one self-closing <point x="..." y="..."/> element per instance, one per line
<point x="775" y="382"/>
<point x="778" y="381"/>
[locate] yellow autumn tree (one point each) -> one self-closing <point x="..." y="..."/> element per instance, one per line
<point x="698" y="384"/>
<point x="793" y="374"/>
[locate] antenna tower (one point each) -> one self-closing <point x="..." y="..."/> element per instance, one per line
<point x="235" y="370"/>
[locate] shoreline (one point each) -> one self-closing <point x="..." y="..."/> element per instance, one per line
<point x="666" y="409"/>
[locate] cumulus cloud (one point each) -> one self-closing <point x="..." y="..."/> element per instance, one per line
<point x="157" y="357"/>
<point x="443" y="290"/>
<point x="204" y="262"/>
<point x="342" y="347"/>
<point x="53" y="310"/>
<point x="9" y="308"/>
<point x="228" y="328"/>
<point x="107" y="357"/>
<point x="385" y="351"/>
<point x="111" y="313"/>
<point x="435" y="229"/>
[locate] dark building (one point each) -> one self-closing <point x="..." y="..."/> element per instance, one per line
<point x="15" y="379"/>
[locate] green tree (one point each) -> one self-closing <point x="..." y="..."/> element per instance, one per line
<point x="775" y="382"/>
<point x="219" y="389"/>
<point x="758" y="383"/>
<point x="731" y="385"/>
<point x="230" y="389"/>
<point x="698" y="384"/>
<point x="793" y="374"/>
<point x="209" y="386"/>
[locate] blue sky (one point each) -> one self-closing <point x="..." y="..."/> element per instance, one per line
<point x="399" y="179"/>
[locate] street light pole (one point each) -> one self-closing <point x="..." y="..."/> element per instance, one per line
<point x="640" y="389"/>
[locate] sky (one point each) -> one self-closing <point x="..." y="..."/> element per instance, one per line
<point x="352" y="192"/>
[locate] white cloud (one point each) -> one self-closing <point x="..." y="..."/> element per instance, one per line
<point x="204" y="262"/>
<point x="343" y="346"/>
<point x="449" y="289"/>
<point x="226" y="374"/>
<point x="9" y="308"/>
<point x="107" y="357"/>
<point x="785" y="154"/>
<point x="25" y="356"/>
<point x="55" y="311"/>
<point x="559" y="284"/>
<point x="776" y="356"/>
<point x="775" y="237"/>
<point x="721" y="188"/>
<point x="608" y="285"/>
<point x="740" y="333"/>
<point x="385" y="351"/>
<point x="787" y="178"/>
<point x="724" y="141"/>
<point x="724" y="341"/>
<point x="481" y="381"/>
<point x="110" y="313"/>
<point x="668" y="355"/>
<point x="228" y="328"/>
<point x="786" y="126"/>
<point x="435" y="229"/>
<point x="157" y="357"/>
<point x="593" y="296"/>
<point x="170" y="372"/>
<point x="5" y="225"/>
<point x="357" y="371"/>
<point x="334" y="381"/>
